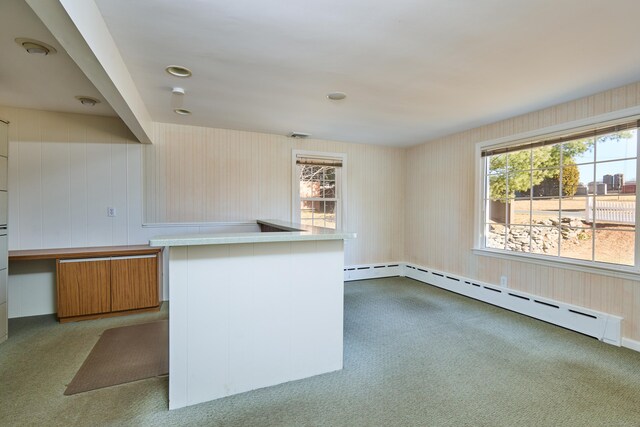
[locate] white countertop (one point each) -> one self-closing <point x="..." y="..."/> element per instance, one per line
<point x="296" y="232"/>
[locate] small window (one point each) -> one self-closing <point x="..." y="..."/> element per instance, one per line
<point x="571" y="197"/>
<point x="318" y="189"/>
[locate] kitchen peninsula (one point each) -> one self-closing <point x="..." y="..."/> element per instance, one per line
<point x="251" y="310"/>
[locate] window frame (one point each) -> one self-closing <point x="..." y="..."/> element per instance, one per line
<point x="341" y="187"/>
<point x="609" y="119"/>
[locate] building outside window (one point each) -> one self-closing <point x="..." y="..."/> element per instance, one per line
<point x="570" y="197"/>
<point x="318" y="189"/>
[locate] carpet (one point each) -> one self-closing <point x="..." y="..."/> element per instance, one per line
<point x="123" y="355"/>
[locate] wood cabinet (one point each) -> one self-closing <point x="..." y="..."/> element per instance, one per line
<point x="93" y="287"/>
<point x="84" y="287"/>
<point x="100" y="281"/>
<point x="134" y="282"/>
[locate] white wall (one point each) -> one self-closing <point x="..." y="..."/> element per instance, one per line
<point x="65" y="170"/>
<point x="195" y="173"/>
<point x="441" y="232"/>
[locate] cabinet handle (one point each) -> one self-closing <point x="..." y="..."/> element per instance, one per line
<point x="105" y="258"/>
<point x="133" y="257"/>
<point x="64" y="261"/>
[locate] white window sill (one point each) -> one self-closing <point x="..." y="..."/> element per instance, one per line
<point x="618" y="271"/>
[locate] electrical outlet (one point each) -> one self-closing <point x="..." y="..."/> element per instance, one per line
<point x="111" y="211"/>
<point x="503" y="281"/>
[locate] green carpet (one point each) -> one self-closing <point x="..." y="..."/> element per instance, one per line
<point x="414" y="356"/>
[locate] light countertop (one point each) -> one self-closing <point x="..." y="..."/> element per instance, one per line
<point x="293" y="232"/>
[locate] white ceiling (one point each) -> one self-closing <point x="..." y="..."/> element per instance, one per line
<point x="41" y="82"/>
<point x="413" y="69"/>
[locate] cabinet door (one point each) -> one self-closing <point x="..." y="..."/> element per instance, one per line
<point x="4" y="172"/>
<point x="4" y="251"/>
<point x="134" y="282"/>
<point x="4" y="139"/>
<point x="83" y="287"/>
<point x="4" y="204"/>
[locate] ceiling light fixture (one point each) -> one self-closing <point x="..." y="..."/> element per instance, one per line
<point x="35" y="47"/>
<point x="182" y="111"/>
<point x="177" y="98"/>
<point x="178" y="71"/>
<point x="337" y="96"/>
<point x="87" y="100"/>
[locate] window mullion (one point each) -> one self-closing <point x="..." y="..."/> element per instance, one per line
<point x="636" y="255"/>
<point x="507" y="217"/>
<point x="595" y="192"/>
<point x="577" y="162"/>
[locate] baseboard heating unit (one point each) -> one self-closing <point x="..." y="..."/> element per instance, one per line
<point x="373" y="271"/>
<point x="603" y="326"/>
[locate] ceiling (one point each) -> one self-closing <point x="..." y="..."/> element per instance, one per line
<point x="413" y="70"/>
<point x="41" y="82"/>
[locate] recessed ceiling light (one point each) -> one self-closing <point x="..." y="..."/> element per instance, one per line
<point x="87" y="100"/>
<point x="182" y="111"/>
<point x="178" y="71"/>
<point x="35" y="47"/>
<point x="337" y="96"/>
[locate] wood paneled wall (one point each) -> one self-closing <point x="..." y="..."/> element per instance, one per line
<point x="65" y="170"/>
<point x="412" y="204"/>
<point x="194" y="174"/>
<point x="439" y="231"/>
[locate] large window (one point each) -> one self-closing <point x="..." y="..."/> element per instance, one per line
<point x="571" y="196"/>
<point x="319" y="194"/>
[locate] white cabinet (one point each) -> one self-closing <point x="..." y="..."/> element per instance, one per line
<point x="4" y="167"/>
<point x="4" y="203"/>
<point x="4" y="153"/>
<point x="4" y="138"/>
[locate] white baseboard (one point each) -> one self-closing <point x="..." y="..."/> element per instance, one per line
<point x="603" y="326"/>
<point x="632" y="344"/>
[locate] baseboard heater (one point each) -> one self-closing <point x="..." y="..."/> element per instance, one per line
<point x="603" y="326"/>
<point x="373" y="271"/>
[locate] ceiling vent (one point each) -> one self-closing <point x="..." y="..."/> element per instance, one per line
<point x="299" y="135"/>
<point x="88" y="100"/>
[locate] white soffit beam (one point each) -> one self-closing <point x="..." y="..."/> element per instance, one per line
<point x="80" y="29"/>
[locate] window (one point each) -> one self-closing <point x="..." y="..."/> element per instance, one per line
<point x="571" y="197"/>
<point x="318" y="189"/>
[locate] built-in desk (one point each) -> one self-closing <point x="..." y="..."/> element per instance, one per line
<point x="104" y="281"/>
<point x="70" y="253"/>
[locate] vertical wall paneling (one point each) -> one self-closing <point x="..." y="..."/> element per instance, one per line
<point x="29" y="187"/>
<point x="56" y="197"/>
<point x="195" y="174"/>
<point x="78" y="205"/>
<point x="65" y="170"/>
<point x="99" y="193"/>
<point x="414" y="204"/>
<point x="119" y="193"/>
<point x="441" y="218"/>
